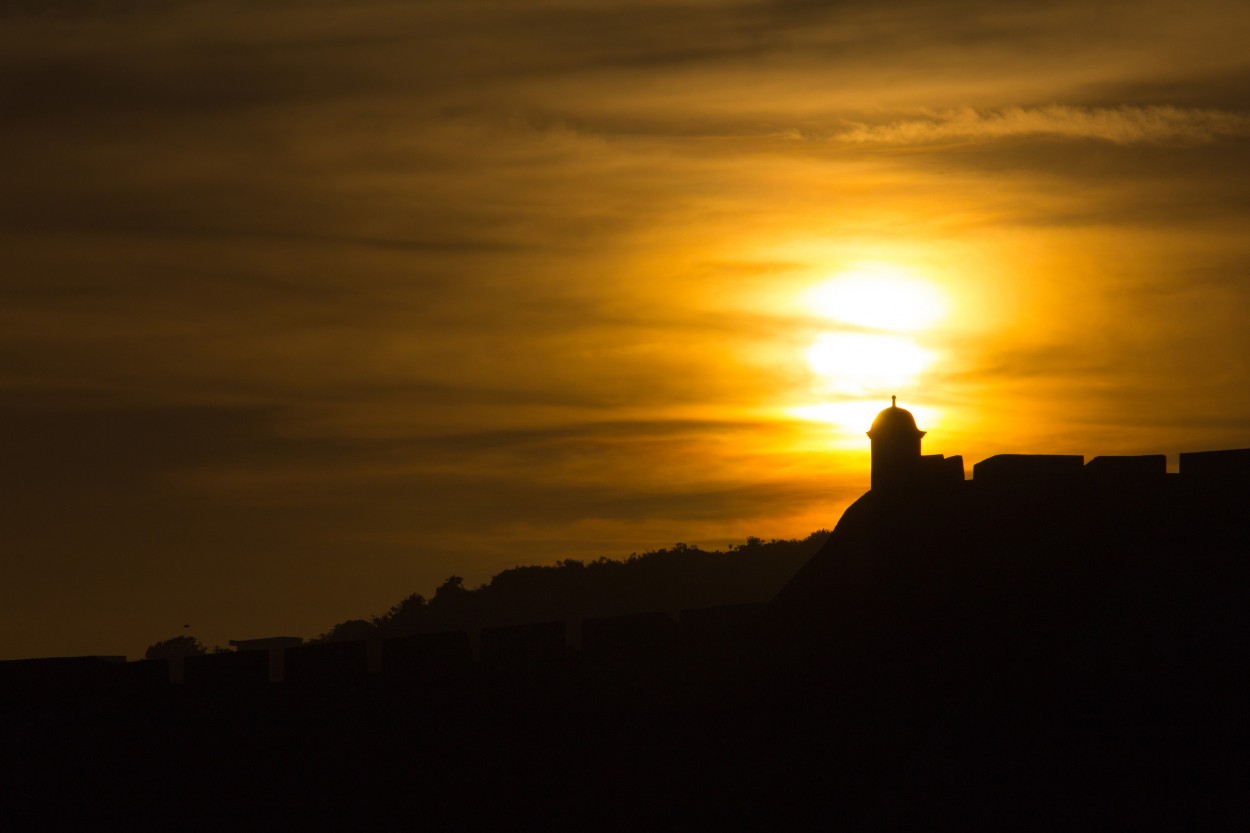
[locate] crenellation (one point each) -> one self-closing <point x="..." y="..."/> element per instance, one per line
<point x="1029" y="469"/>
<point x="1122" y="467"/>
<point x="1228" y="467"/>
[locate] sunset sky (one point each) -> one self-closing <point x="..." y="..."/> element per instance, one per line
<point x="307" y="305"/>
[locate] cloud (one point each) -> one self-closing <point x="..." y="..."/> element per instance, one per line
<point x="374" y="293"/>
<point x="1126" y="125"/>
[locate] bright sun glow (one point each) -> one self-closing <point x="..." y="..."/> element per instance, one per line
<point x="857" y="363"/>
<point x="879" y="297"/>
<point x="873" y="346"/>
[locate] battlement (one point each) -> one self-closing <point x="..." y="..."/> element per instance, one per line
<point x="1230" y="466"/>
<point x="1008" y="469"/>
<point x="898" y="466"/>
<point x="1216" y="469"/>
<point x="1141" y="466"/>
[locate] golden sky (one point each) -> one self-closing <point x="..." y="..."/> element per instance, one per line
<point x="308" y="305"/>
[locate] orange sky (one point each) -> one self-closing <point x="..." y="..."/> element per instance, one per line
<point x="308" y="306"/>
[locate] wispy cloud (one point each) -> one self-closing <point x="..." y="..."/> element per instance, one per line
<point x="1122" y="125"/>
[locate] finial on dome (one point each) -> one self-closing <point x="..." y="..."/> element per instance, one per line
<point x="893" y="401"/>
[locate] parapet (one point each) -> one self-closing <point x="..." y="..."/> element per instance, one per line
<point x="228" y="670"/>
<point x="326" y="663"/>
<point x="1124" y="467"/>
<point x="1224" y="468"/>
<point x="274" y="646"/>
<point x="50" y="673"/>
<point x="618" y="637"/>
<point x="427" y="655"/>
<point x="1029" y="469"/>
<point x="521" y="647"/>
<point x="935" y="469"/>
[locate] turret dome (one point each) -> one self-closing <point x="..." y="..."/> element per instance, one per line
<point x="894" y="420"/>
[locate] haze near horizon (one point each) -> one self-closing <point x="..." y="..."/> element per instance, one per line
<point x="310" y="306"/>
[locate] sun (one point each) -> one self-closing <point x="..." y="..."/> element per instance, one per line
<point x="858" y="363"/>
<point x="875" y="337"/>
<point x="879" y="297"/>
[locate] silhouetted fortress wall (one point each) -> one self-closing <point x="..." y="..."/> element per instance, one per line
<point x="1199" y="468"/>
<point x="533" y="649"/>
<point x="540" y="649"/>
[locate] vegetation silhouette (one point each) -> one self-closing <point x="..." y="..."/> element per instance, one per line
<point x="177" y="646"/>
<point x="676" y="578"/>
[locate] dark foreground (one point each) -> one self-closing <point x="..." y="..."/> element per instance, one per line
<point x="694" y="737"/>
<point x="1071" y="660"/>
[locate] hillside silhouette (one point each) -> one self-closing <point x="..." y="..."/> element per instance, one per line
<point x="676" y="578"/>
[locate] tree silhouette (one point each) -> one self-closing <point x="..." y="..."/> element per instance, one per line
<point x="679" y="577"/>
<point x="349" y="631"/>
<point x="178" y="646"/>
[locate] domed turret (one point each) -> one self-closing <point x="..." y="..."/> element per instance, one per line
<point x="894" y="419"/>
<point x="895" y="447"/>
